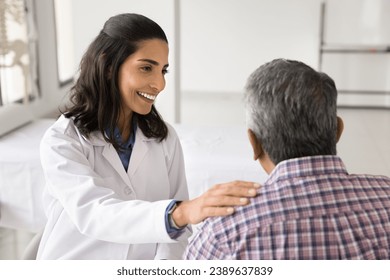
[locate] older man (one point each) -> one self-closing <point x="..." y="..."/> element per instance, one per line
<point x="310" y="207"/>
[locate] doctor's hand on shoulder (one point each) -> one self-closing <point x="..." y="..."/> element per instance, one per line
<point x="219" y="200"/>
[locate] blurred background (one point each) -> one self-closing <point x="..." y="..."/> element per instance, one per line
<point x="214" y="46"/>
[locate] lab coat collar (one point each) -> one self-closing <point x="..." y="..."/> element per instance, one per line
<point x="96" y="138"/>
<point x="140" y="150"/>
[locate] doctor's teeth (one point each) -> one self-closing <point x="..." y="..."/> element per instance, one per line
<point x="148" y="96"/>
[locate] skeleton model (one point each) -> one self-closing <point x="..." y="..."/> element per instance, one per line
<point x="14" y="52"/>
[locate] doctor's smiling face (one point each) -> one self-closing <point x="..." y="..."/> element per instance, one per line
<point x="121" y="74"/>
<point x="142" y="77"/>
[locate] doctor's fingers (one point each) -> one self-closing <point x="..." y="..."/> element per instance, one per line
<point x="235" y="188"/>
<point x="216" y="211"/>
<point x="223" y="201"/>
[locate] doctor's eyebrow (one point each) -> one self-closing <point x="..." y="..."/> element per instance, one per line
<point x="151" y="61"/>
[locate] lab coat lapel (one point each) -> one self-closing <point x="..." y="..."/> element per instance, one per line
<point x="140" y="150"/>
<point x="111" y="155"/>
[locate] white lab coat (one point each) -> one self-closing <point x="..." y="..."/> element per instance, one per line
<point x="97" y="210"/>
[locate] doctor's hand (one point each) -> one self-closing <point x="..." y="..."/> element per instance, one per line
<point x="219" y="200"/>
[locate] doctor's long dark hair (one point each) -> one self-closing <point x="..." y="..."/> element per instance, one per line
<point x="95" y="98"/>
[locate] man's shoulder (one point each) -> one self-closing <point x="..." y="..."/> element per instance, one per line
<point x="369" y="178"/>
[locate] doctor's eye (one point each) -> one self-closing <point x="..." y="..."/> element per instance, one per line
<point x="146" y="68"/>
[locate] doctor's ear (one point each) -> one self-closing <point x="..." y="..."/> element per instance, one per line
<point x="256" y="145"/>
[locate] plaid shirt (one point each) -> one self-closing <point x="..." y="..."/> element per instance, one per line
<point x="309" y="208"/>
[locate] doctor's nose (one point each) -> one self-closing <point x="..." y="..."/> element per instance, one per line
<point x="158" y="83"/>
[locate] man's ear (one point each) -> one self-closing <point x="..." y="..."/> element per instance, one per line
<point x="256" y="145"/>
<point x="340" y="128"/>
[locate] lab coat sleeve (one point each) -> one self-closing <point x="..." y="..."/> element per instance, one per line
<point x="93" y="207"/>
<point x="179" y="191"/>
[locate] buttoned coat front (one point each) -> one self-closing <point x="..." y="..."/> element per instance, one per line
<point x="97" y="210"/>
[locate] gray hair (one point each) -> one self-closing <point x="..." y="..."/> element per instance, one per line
<point x="291" y="108"/>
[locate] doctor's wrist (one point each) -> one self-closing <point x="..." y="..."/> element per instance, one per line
<point x="178" y="214"/>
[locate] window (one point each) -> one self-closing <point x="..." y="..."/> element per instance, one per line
<point x="18" y="64"/>
<point x="64" y="39"/>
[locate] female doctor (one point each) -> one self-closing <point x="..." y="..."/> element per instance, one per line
<point x="114" y="170"/>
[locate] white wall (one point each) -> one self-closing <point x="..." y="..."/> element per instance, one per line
<point x="89" y="17"/>
<point x="223" y="41"/>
